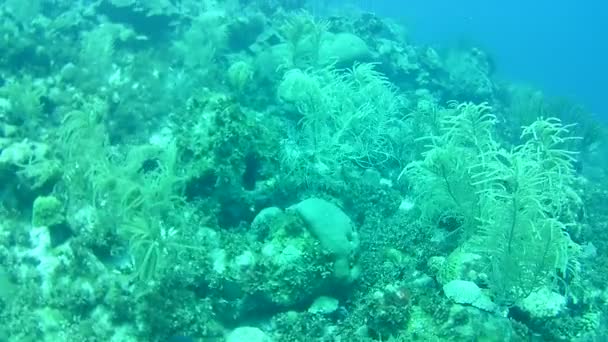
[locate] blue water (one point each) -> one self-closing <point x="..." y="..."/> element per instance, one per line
<point x="560" y="47"/>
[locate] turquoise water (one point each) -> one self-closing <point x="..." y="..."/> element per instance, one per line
<point x="292" y="170"/>
<point x="558" y="46"/>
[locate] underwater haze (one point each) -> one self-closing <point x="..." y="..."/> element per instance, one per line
<point x="302" y="170"/>
<point x="558" y="46"/>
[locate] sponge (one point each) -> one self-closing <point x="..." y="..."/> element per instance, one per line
<point x="333" y="228"/>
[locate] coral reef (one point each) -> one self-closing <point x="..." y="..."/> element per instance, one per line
<point x="255" y="171"/>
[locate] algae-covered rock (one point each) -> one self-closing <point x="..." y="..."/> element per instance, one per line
<point x="47" y="211"/>
<point x="293" y="264"/>
<point x="30" y="165"/>
<point x="543" y="303"/>
<point x="280" y="265"/>
<point x="324" y="305"/>
<point x="240" y="75"/>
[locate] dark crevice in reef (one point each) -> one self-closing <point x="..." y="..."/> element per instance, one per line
<point x="157" y="27"/>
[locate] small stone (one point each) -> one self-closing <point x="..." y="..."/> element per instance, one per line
<point x="247" y="334"/>
<point x="324" y="305"/>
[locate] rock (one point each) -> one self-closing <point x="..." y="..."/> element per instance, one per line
<point x="343" y="49"/>
<point x="324" y="305"/>
<point x="47" y="211"/>
<point x="247" y="334"/>
<point x="328" y="223"/>
<point x="468" y="293"/>
<point x="265" y="217"/>
<point x="333" y="228"/>
<point x="543" y="303"/>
